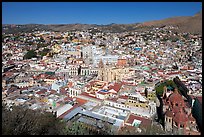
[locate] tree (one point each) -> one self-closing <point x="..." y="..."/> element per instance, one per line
<point x="146" y="92"/>
<point x="153" y="129"/>
<point x="30" y="54"/>
<point x="160" y="88"/>
<point x="41" y="45"/>
<point x="44" y="52"/>
<point x="128" y="131"/>
<point x="23" y="121"/>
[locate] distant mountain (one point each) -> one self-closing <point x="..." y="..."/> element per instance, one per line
<point x="192" y="24"/>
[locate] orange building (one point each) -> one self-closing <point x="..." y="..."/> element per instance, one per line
<point x="121" y="62"/>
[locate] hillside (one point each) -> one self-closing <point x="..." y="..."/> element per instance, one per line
<point x="192" y="24"/>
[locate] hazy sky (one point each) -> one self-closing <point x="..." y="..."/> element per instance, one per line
<point x="94" y="12"/>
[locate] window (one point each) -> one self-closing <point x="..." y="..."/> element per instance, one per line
<point x="169" y="120"/>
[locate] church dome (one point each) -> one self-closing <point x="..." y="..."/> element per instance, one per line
<point x="176" y="98"/>
<point x="169" y="113"/>
<point x="180" y="117"/>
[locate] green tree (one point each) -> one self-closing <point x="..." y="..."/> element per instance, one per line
<point x="23" y="121"/>
<point x="153" y="129"/>
<point x="44" y="52"/>
<point x="30" y="54"/>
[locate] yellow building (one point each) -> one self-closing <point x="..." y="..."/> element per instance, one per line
<point x="112" y="74"/>
<point x="137" y="100"/>
<point x="56" y="48"/>
<point x="151" y="95"/>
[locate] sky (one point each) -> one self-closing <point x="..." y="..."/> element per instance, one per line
<point x="100" y="13"/>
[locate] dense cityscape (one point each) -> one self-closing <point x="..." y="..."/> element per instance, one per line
<point x="135" y="82"/>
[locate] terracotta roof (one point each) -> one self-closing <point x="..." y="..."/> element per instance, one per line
<point x="63" y="91"/>
<point x="180" y="117"/>
<point x="144" y="121"/>
<point x="24" y="88"/>
<point x="67" y="112"/>
<point x="131" y="118"/>
<point x="169" y="113"/>
<point x="9" y="73"/>
<point x="173" y="72"/>
<point x="123" y="97"/>
<point x="116" y="87"/>
<point x="121" y="62"/>
<point x="42" y="91"/>
<point x="52" y="91"/>
<point x="176" y="109"/>
<point x="176" y="98"/>
<point x="80" y="102"/>
<point x="10" y="62"/>
<point x="87" y="94"/>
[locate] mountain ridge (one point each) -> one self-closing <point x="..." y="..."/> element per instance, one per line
<point x="192" y="24"/>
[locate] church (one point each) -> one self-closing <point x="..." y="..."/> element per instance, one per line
<point x="178" y="118"/>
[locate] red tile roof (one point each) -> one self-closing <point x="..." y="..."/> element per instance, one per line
<point x="8" y="73"/>
<point x="169" y="113"/>
<point x="87" y="94"/>
<point x="121" y="62"/>
<point x="63" y="91"/>
<point x="80" y="102"/>
<point x="144" y="121"/>
<point x="10" y="62"/>
<point x="176" y="97"/>
<point x="123" y="97"/>
<point x="116" y="87"/>
<point x="52" y="91"/>
<point x="180" y="117"/>
<point x="42" y="91"/>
